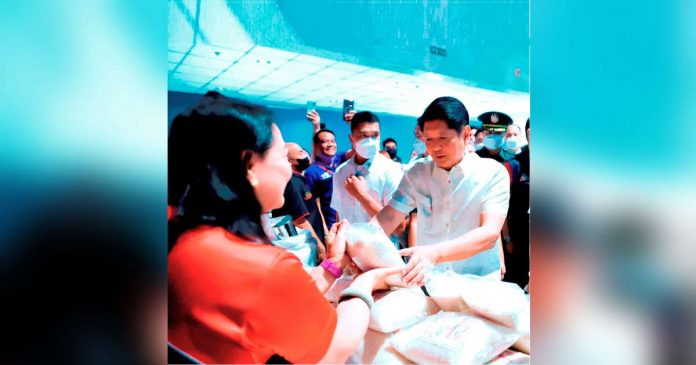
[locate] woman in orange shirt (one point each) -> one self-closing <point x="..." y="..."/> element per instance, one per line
<point x="233" y="297"/>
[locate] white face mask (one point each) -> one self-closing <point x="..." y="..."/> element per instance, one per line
<point x="367" y="147"/>
<point x="512" y="143"/>
<point x="493" y="141"/>
<point x="479" y="146"/>
<point x="419" y="146"/>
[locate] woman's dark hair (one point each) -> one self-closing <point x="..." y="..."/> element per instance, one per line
<point x="448" y="109"/>
<point x="177" y="160"/>
<point x="209" y="155"/>
<point x="178" y="157"/>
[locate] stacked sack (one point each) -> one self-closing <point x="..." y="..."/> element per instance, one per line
<point x="466" y="320"/>
<point x="500" y="302"/>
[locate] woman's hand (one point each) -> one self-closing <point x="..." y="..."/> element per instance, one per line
<point x="336" y="243"/>
<point x="379" y="279"/>
<point x="321" y="252"/>
<point x="422" y="258"/>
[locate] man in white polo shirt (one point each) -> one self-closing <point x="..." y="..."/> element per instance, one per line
<point x="462" y="199"/>
<point x="363" y="185"/>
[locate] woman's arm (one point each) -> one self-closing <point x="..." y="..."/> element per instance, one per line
<point x="336" y="249"/>
<point x="351" y="326"/>
<point x="353" y="314"/>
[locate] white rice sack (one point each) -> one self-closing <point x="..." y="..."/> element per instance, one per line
<point x="369" y="247"/>
<point x="453" y="338"/>
<point x="400" y="308"/>
<point x="388" y="355"/>
<point x="501" y="302"/>
<point x="375" y="349"/>
<point x="524" y="343"/>
<point x="509" y="357"/>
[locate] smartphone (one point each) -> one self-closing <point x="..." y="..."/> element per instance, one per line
<point x="348" y="105"/>
<point x="311" y="105"/>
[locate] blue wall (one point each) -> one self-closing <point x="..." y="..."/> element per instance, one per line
<point x="296" y="128"/>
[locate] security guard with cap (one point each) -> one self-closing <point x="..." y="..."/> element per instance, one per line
<point x="496" y="124"/>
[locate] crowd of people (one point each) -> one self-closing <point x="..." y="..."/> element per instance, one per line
<point x="460" y="203"/>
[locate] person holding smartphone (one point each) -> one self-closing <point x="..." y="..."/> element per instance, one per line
<point x="326" y="158"/>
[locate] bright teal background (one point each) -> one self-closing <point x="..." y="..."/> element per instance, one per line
<point x="613" y="88"/>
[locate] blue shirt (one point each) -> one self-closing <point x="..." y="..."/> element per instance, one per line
<point x="320" y="183"/>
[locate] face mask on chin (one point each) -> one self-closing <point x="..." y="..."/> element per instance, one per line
<point x="324" y="158"/>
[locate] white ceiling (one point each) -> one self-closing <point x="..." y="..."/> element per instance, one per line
<point x="238" y="67"/>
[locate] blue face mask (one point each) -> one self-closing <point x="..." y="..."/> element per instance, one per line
<point x="324" y="158"/>
<point x="512" y="143"/>
<point x="493" y="141"/>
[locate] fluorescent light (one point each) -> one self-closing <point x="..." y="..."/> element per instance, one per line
<point x="432" y="76"/>
<point x="294" y="79"/>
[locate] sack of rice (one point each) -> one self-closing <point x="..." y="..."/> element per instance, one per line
<point x="369" y="247"/>
<point x="498" y="301"/>
<point x="453" y="338"/>
<point x="400" y="308"/>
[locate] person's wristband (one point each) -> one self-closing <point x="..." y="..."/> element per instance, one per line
<point x="331" y="268"/>
<point x="506" y="239"/>
<point x="352" y="292"/>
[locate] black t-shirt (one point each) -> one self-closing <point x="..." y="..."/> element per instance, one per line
<point x="299" y="203"/>
<point x="518" y="216"/>
<point x="484" y="153"/>
<point x="519" y="187"/>
<point x="523" y="158"/>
